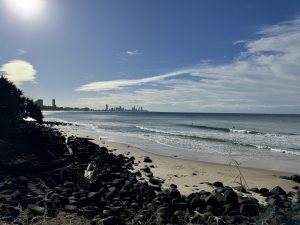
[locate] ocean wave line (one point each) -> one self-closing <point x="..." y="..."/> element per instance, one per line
<point x="212" y="139"/>
<point x="233" y="130"/>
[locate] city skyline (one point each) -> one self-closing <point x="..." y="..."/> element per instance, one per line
<point x="200" y="56"/>
<point x="53" y="106"/>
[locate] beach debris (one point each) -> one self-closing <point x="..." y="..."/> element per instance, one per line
<point x="89" y="173"/>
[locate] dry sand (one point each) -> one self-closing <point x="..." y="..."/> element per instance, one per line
<point x="189" y="175"/>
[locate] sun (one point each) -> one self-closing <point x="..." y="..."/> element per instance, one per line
<point x="26" y="9"/>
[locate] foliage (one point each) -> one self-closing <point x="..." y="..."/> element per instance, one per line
<point x="14" y="105"/>
<point x="33" y="111"/>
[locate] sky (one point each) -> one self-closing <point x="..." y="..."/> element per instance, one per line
<point x="240" y="56"/>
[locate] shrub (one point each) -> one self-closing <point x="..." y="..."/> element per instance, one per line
<point x="14" y="105"/>
<point x="33" y="111"/>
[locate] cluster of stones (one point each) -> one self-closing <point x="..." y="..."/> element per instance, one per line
<point x="115" y="193"/>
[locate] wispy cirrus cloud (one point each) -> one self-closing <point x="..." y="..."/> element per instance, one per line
<point x="19" y="71"/>
<point x="21" y="51"/>
<point x="133" y="52"/>
<point x="265" y="76"/>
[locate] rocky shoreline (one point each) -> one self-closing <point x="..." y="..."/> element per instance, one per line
<point x="43" y="174"/>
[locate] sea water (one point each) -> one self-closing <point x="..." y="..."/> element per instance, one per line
<point x="254" y="140"/>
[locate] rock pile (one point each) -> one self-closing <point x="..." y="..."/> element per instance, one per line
<point x="52" y="180"/>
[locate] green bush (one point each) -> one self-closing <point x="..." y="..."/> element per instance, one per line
<point x="14" y="106"/>
<point x="33" y="110"/>
<point x="12" y="103"/>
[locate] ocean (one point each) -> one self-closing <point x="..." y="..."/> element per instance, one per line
<point x="254" y="140"/>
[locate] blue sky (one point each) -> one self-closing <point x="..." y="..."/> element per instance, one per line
<point x="199" y="56"/>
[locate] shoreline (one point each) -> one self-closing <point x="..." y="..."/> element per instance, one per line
<point x="190" y="175"/>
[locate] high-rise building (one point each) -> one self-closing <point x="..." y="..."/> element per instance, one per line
<point x="53" y="103"/>
<point x="106" y="107"/>
<point x="39" y="103"/>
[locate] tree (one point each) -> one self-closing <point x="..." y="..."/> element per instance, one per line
<point x="33" y="111"/>
<point x="12" y="103"/>
<point x="14" y="106"/>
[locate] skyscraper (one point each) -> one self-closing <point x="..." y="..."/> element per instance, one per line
<point x="53" y="103"/>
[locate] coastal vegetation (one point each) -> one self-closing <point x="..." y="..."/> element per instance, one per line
<point x="15" y="106"/>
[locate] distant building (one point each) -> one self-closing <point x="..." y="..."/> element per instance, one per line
<point x="39" y="103"/>
<point x="53" y="103"/>
<point x="106" y="107"/>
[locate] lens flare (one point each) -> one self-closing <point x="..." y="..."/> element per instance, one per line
<point x="25" y="9"/>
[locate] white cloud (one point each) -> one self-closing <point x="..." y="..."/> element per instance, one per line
<point x="263" y="78"/>
<point x="118" y="84"/>
<point x="205" y="61"/>
<point x="21" y="51"/>
<point x="19" y="71"/>
<point x="133" y="52"/>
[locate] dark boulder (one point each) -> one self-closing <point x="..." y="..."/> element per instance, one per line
<point x="211" y="200"/>
<point x="196" y="202"/>
<point x="218" y="184"/>
<point x="113" y="220"/>
<point x="70" y="208"/>
<point x="296" y="178"/>
<point x="154" y="180"/>
<point x="147" y="159"/>
<point x="36" y="210"/>
<point x="278" y="190"/>
<point x="230" y="197"/>
<point x="249" y="210"/>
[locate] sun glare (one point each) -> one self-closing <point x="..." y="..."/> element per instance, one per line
<point x="26" y="9"/>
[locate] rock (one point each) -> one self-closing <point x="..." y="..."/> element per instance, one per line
<point x="9" y="212"/>
<point x="278" y="190"/>
<point x="211" y="200"/>
<point x="286" y="177"/>
<point x="83" y="201"/>
<point x="197" y="219"/>
<point x="154" y="180"/>
<point x="196" y="202"/>
<point x="36" y="210"/>
<point x="88" y="213"/>
<point x="175" y="193"/>
<point x="295" y="219"/>
<point x="255" y="190"/>
<point x="113" y="220"/>
<point x="94" y="196"/>
<point x="180" y="206"/>
<point x="63" y="200"/>
<point x="274" y="202"/>
<point x="173" y="186"/>
<point x="70" y="208"/>
<point x="106" y="212"/>
<point x="147" y="159"/>
<point x="29" y="200"/>
<point x="218" y="184"/>
<point x="146" y="169"/>
<point x="230" y="197"/>
<point x="164" y="211"/>
<point x="249" y="210"/>
<point x="296" y="178"/>
<point x="68" y="184"/>
<point x="263" y="190"/>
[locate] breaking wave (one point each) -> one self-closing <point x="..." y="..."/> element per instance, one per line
<point x="220" y="140"/>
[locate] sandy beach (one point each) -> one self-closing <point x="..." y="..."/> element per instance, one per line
<point x="189" y="175"/>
